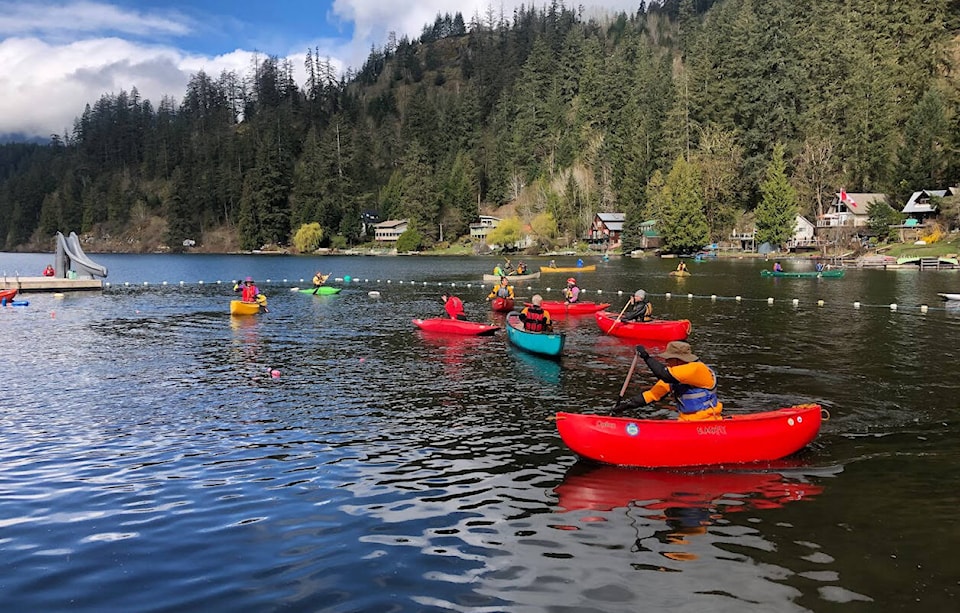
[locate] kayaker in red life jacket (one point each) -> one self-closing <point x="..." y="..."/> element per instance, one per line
<point x="571" y="293"/>
<point x="248" y="291"/>
<point x="692" y="383"/>
<point x="641" y="311"/>
<point x="453" y="306"/>
<point x="534" y="317"/>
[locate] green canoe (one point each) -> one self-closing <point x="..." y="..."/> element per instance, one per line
<point x="323" y="291"/>
<point x="830" y="274"/>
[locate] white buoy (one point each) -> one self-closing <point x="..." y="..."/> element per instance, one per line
<point x="667" y="295"/>
<point x="200" y="282"/>
<point x="795" y="302"/>
<point x="893" y="307"/>
<point x="620" y="292"/>
<point x="391" y="281"/>
<point x="373" y="294"/>
<point x="713" y="297"/>
<point x="220" y="282"/>
<point x="769" y="300"/>
<point x="164" y="282"/>
<point x="819" y="302"/>
<point x="923" y="308"/>
<point x="145" y="283"/>
<point x="689" y="296"/>
<point x="739" y="298"/>
<point x="599" y="291"/>
<point x="856" y="305"/>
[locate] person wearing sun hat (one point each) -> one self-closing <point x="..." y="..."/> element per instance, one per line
<point x="571" y="293"/>
<point x="692" y="383"/>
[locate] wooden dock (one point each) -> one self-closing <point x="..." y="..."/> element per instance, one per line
<point x="50" y="284"/>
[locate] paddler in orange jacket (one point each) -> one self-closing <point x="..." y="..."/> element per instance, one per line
<point x="692" y="383"/>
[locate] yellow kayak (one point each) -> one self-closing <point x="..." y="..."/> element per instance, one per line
<point x="239" y="307"/>
<point x="589" y="268"/>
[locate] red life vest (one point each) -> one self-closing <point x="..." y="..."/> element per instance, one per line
<point x="533" y="319"/>
<point x="249" y="293"/>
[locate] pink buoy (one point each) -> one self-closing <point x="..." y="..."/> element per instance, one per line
<point x="275" y="373"/>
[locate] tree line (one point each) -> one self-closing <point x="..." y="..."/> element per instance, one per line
<point x="691" y="112"/>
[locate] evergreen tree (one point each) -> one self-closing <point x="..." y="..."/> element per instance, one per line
<point x="776" y="215"/>
<point x="681" y="223"/>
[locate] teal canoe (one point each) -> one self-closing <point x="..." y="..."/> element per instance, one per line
<point x="541" y="343"/>
<point x="323" y="291"/>
<point x="827" y="274"/>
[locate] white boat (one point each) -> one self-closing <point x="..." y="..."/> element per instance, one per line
<point x="496" y="278"/>
<point x="949" y="296"/>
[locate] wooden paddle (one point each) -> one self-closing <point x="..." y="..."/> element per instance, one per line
<point x="626" y="382"/>
<point x="614" y="325"/>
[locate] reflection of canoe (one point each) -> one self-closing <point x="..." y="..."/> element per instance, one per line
<point x="654" y="443"/>
<point x="502" y="305"/>
<point x="656" y="330"/>
<point x="527" y="277"/>
<point x="454" y="326"/>
<point x="324" y="290"/>
<point x="827" y="274"/>
<point x="589" y="268"/>
<point x="679" y="273"/>
<point x="239" y="307"/>
<point x="603" y="488"/>
<point x="559" y="309"/>
<point x="949" y="296"/>
<point x="542" y="343"/>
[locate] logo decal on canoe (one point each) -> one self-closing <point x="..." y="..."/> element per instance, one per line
<point x="633" y="429"/>
<point x="712" y="430"/>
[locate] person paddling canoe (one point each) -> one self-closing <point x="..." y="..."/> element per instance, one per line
<point x="692" y="383"/>
<point x="641" y="311"/>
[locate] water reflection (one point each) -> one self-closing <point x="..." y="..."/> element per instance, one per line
<point x="684" y="504"/>
<point x="543" y="369"/>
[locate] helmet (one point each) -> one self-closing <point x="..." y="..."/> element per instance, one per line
<point x="639" y="294"/>
<point x="572" y="280"/>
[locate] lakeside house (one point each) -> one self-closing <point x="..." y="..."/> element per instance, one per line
<point x="480" y="229"/>
<point x="605" y="231"/>
<point x="389" y="231"/>
<point x="922" y="205"/>
<point x="849" y="210"/>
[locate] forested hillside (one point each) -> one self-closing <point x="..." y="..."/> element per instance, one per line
<point x="672" y="112"/>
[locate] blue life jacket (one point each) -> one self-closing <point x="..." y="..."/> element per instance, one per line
<point x="692" y="399"/>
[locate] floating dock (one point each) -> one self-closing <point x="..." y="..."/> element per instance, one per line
<point x="50" y="284"/>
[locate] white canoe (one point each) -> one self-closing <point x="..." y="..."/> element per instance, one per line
<point x="496" y="278"/>
<point x="949" y="296"/>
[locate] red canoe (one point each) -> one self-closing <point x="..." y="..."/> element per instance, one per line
<point x="8" y="294"/>
<point x="603" y="488"/>
<point x="454" y="326"/>
<point x="656" y="330"/>
<point x="502" y="305"/>
<point x="559" y="309"/>
<point x="657" y="443"/>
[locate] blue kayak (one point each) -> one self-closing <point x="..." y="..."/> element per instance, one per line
<point x="542" y="343"/>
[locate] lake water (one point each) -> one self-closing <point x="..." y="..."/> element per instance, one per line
<point x="150" y="462"/>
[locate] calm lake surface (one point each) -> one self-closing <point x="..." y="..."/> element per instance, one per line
<point x="150" y="462"/>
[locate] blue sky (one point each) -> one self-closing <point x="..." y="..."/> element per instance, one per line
<point x="58" y="55"/>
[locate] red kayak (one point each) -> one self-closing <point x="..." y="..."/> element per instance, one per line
<point x="657" y="443"/>
<point x="454" y="326"/>
<point x="8" y="294"/>
<point x="603" y="488"/>
<point x="559" y="309"/>
<point x="656" y="330"/>
<point x="502" y="305"/>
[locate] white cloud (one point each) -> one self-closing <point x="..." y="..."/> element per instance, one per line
<point x="56" y="58"/>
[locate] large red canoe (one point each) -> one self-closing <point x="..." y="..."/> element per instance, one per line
<point x="657" y="443"/>
<point x="502" y="305"/>
<point x="454" y="326"/>
<point x="559" y="309"/>
<point x="656" y="330"/>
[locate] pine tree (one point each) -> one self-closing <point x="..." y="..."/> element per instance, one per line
<point x="776" y="215"/>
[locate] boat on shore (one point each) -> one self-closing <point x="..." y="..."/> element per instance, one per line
<point x="445" y="325"/>
<point x="542" y="343"/>
<point x="526" y="277"/>
<point x="663" y="443"/>
<point x="827" y="274"/>
<point x="656" y="330"/>
<point x="548" y="269"/>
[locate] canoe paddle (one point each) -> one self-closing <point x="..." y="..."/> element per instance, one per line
<point x="614" y="325"/>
